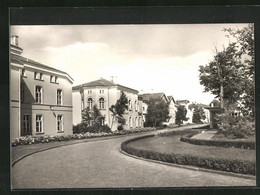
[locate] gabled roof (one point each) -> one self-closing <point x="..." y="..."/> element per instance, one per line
<point x="148" y="96"/>
<point x="170" y="97"/>
<point x="182" y="101"/>
<point x="102" y="82"/>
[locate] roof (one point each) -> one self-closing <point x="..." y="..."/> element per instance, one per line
<point x="148" y="96"/>
<point x="182" y="101"/>
<point x="102" y="82"/>
<point x="23" y="60"/>
<point x="171" y="97"/>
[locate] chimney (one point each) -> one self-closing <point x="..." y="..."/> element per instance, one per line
<point x="14" y="48"/>
<point x="14" y="40"/>
<point x="141" y="91"/>
<point x="111" y="78"/>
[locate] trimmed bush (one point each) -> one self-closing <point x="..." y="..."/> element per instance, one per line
<point x="242" y="167"/>
<point x="220" y="143"/>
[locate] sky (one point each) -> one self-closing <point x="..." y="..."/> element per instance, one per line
<point x="148" y="58"/>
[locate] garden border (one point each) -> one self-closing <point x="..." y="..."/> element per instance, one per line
<point x="234" y="166"/>
<point x="220" y="143"/>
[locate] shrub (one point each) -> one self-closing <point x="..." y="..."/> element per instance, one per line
<point x="239" y="127"/>
<point x="105" y="129"/>
<point x="220" y="143"/>
<point x="243" y="167"/>
<point x="80" y="128"/>
<point x="120" y="127"/>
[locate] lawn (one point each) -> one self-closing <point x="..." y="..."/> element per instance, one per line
<point x="172" y="144"/>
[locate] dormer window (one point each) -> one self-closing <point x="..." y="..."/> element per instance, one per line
<point x="38" y="76"/>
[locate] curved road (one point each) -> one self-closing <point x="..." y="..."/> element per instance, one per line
<point x="100" y="164"/>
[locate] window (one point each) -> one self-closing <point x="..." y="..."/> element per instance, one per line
<point x="103" y="121"/>
<point x="136" y="122"/>
<point x="53" y="79"/>
<point x="130" y="122"/>
<point x="23" y="73"/>
<point x="59" y="97"/>
<point x="38" y="94"/>
<point x="60" y="123"/>
<point x="136" y="106"/>
<point x="26" y="125"/>
<point x="38" y="76"/>
<point x="101" y="103"/>
<point x="101" y="91"/>
<point x="22" y="92"/>
<point x="89" y="91"/>
<point x="91" y="122"/>
<point x="90" y="103"/>
<point x="129" y="105"/>
<point x="39" y="124"/>
<point x="139" y="121"/>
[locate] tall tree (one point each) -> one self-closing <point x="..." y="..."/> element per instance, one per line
<point x="230" y="74"/>
<point x="181" y="115"/>
<point x="118" y="109"/>
<point x="157" y="112"/>
<point x="92" y="116"/>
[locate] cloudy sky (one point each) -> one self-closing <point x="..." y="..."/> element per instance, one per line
<point x="165" y="58"/>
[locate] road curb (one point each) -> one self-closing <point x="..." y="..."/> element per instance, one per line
<point x="86" y="140"/>
<point x="251" y="177"/>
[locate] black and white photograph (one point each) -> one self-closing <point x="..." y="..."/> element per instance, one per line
<point x="132" y="105"/>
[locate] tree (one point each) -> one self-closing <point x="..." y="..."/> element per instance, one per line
<point x="230" y="74"/>
<point x="181" y="115"/>
<point x="198" y="113"/>
<point x="118" y="109"/>
<point x="92" y="117"/>
<point x="157" y="112"/>
<point x="245" y="41"/>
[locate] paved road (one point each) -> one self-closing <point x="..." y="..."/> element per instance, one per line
<point x="99" y="164"/>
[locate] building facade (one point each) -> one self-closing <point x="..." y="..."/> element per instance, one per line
<point x="189" y="114"/>
<point x="172" y="110"/>
<point x="104" y="94"/>
<point x="40" y="97"/>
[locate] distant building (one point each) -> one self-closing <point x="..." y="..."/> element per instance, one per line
<point x="147" y="96"/>
<point x="104" y="94"/>
<point x="172" y="110"/>
<point x="41" y="97"/>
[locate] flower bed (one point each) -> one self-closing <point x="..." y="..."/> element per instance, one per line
<point x="229" y="165"/>
<point x="29" y="139"/>
<point x="220" y="143"/>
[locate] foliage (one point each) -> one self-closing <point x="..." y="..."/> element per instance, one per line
<point x="198" y="113"/>
<point x="234" y="68"/>
<point x="29" y="139"/>
<point x="220" y="143"/>
<point x="239" y="127"/>
<point x="229" y="165"/>
<point x="181" y="115"/>
<point x="92" y="116"/>
<point x="118" y="109"/>
<point x="157" y="112"/>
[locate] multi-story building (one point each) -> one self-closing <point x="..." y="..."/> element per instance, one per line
<point x="41" y="97"/>
<point x="104" y="94"/>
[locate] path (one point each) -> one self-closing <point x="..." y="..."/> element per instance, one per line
<point x="100" y="164"/>
<point x="205" y="135"/>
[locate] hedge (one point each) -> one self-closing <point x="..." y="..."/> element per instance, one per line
<point x="220" y="143"/>
<point x="187" y="132"/>
<point x="236" y="166"/>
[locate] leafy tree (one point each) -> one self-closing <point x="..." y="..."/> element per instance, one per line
<point x="181" y="115"/>
<point x="118" y="109"/>
<point x="157" y="112"/>
<point x="92" y="117"/>
<point x="198" y="113"/>
<point x="245" y="41"/>
<point x="230" y="74"/>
